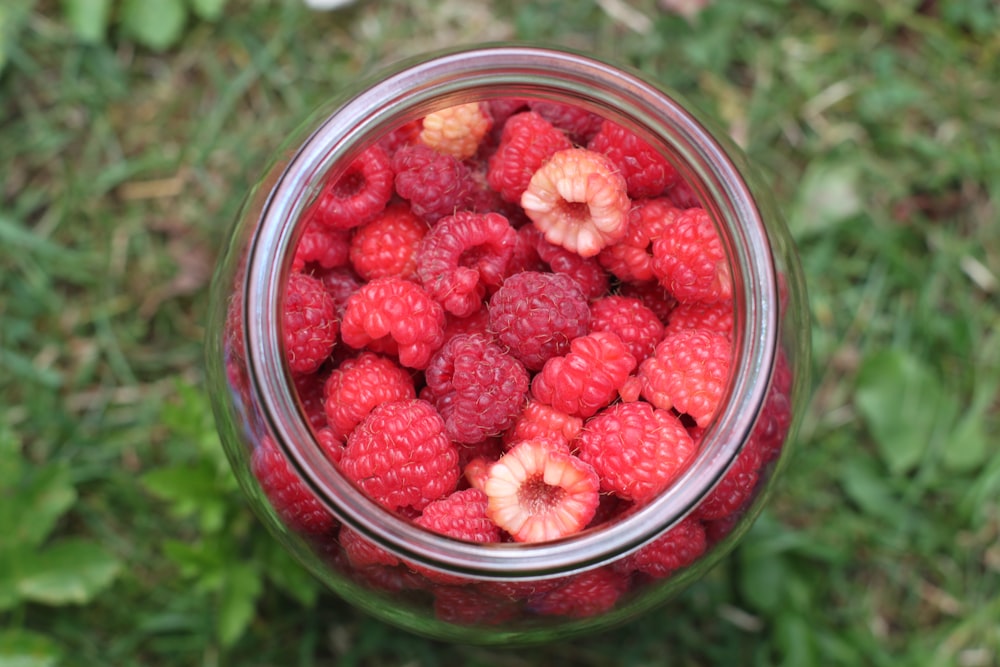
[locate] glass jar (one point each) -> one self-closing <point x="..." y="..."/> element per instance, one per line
<point x="505" y="592"/>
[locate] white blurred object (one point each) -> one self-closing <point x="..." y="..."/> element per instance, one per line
<point x="327" y="4"/>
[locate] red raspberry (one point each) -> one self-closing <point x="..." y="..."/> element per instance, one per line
<point x="689" y="261"/>
<point x="646" y="171"/>
<point x="394" y="316"/>
<point x="477" y="387"/>
<point x="466" y="606"/>
<point x="435" y="184"/>
<point x="527" y="141"/>
<point x="582" y="595"/>
<point x="291" y="499"/>
<point x="525" y="256"/>
<point x="578" y="200"/>
<point x="536" y="315"/>
<point x="538" y="492"/>
<point x="476" y="323"/>
<point x="588" y="377"/>
<point x="462" y="255"/>
<point x="362" y="552"/>
<point x="358" y="385"/>
<point x="309" y="389"/>
<point x="456" y="130"/>
<point x="683" y="195"/>
<point x="386" y="247"/>
<point x="404" y="135"/>
<point x="477" y="471"/>
<point x="636" y="449"/>
<point x="688" y="372"/>
<point x="310" y="323"/>
<point x="734" y="489"/>
<point x="539" y="420"/>
<point x="579" y="123"/>
<point x="716" y="316"/>
<point x="331" y="445"/>
<point x="652" y="295"/>
<point x="638" y="327"/>
<point x="771" y="429"/>
<point x="631" y="259"/>
<point x="461" y="515"/>
<point x="400" y="455"/>
<point x="358" y="194"/>
<point x="321" y="245"/>
<point x="586" y="271"/>
<point x="679" y="547"/>
<point x="341" y="283"/>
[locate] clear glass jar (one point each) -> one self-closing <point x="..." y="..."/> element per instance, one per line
<point x="505" y="593"/>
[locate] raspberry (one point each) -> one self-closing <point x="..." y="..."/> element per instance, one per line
<point x="358" y="194"/>
<point x="476" y="323"/>
<point x="527" y="142"/>
<point x="404" y="135"/>
<point x="525" y="256"/>
<point x="536" y="315"/>
<point x="456" y="130"/>
<point x="477" y="387"/>
<point x="309" y="389"/>
<point x="400" y="456"/>
<point x="638" y="327"/>
<point x="291" y="499"/>
<point x="688" y="372"/>
<point x="578" y="200"/>
<point x="586" y="271"/>
<point x="394" y="316"/>
<point x="310" y="323"/>
<point x="734" y="489"/>
<point x="652" y="295"/>
<point x="466" y="606"/>
<point x="631" y="259"/>
<point x="331" y="445"/>
<point x="501" y="109"/>
<point x="358" y="385"/>
<point x="538" y="420"/>
<point x="435" y="184"/>
<point x="477" y="471"/>
<point x="588" y="377"/>
<point x="771" y="429"/>
<point x="579" y="123"/>
<point x="341" y="283"/>
<point x="689" y="261"/>
<point x="716" y="316"/>
<point x="462" y="255"/>
<point x="321" y="245"/>
<point x="636" y="449"/>
<point x="679" y="547"/>
<point x="362" y="552"/>
<point x="582" y="595"/>
<point x="646" y="171"/>
<point x="683" y="195"/>
<point x="538" y="492"/>
<point x="461" y="515"/>
<point x="386" y="247"/>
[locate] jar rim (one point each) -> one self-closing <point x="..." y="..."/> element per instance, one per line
<point x="441" y="79"/>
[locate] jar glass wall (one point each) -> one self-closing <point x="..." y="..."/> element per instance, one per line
<point x="506" y="591"/>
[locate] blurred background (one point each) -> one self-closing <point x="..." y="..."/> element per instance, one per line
<point x="131" y="129"/>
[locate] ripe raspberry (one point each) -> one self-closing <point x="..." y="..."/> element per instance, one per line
<point x="683" y="195"/>
<point x="341" y="283"/>
<point x="636" y="449"/>
<point x="477" y="471"/>
<point x="588" y="377"/>
<point x="456" y="130"/>
<point x="586" y="271"/>
<point x="386" y="247"/>
<point x="689" y="261"/>
<point x="525" y="256"/>
<point x="538" y="420"/>
<point x="462" y="255"/>
<point x="527" y="142"/>
<point x="536" y="315"/>
<point x="734" y="489"/>
<point x="358" y="194"/>
<point x="501" y="109"/>
<point x="310" y="323"/>
<point x="631" y="259"/>
<point x="477" y="387"/>
<point x="538" y="492"/>
<point x="476" y="323"/>
<point x="579" y="123"/>
<point x="771" y="429"/>
<point x="358" y="385"/>
<point x="582" y="595"/>
<point x="291" y="499"/>
<point x="679" y="547"/>
<point x="716" y="316"/>
<point x="331" y="445"/>
<point x="400" y="456"/>
<point x="394" y="316"/>
<point x="362" y="552"/>
<point x="461" y="515"/>
<point x="578" y="200"/>
<point x="435" y="184"/>
<point x="646" y="171"/>
<point x="688" y="372"/>
<point x="652" y="295"/>
<point x="467" y="606"/>
<point x="638" y="327"/>
<point x="309" y="389"/>
<point x="321" y="245"/>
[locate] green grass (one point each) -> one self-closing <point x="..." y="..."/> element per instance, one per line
<point x="876" y="124"/>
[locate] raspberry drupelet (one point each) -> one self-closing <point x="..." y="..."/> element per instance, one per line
<point x="310" y="323"/>
<point x="359" y="384"/>
<point x="689" y="261"/>
<point x="358" y="194"/>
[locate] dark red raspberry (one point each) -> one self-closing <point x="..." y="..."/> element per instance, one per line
<point x="638" y="327"/>
<point x="582" y="595"/>
<point x="321" y="245"/>
<point x="462" y="255"/>
<point x="771" y="429"/>
<point x="716" y="316"/>
<point x="310" y="323"/>
<point x="400" y="455"/>
<point x="579" y="123"/>
<point x="476" y="323"/>
<point x="683" y="195"/>
<point x="386" y="247"/>
<point x="358" y="385"/>
<point x="291" y="499"/>
<point x="588" y="377"/>
<point x="477" y="387"/>
<point x="525" y="256"/>
<point x="435" y="184"/>
<point x="631" y="259"/>
<point x="394" y="316"/>
<point x="734" y="489"/>
<point x="679" y="547"/>
<point x="586" y="271"/>
<point x="536" y="315"/>
<point x="501" y="109"/>
<point x="466" y="606"/>
<point x="341" y="283"/>
<point x="652" y="295"/>
<point x="646" y="171"/>
<point x="689" y="260"/>
<point x="636" y="449"/>
<point x="527" y="141"/>
<point x="358" y="194"/>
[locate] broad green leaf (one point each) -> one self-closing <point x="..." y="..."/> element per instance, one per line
<point x="761" y="580"/>
<point x="967" y="446"/>
<point x="30" y="509"/>
<point x="182" y="485"/>
<point x="868" y="489"/>
<point x="828" y="194"/>
<point x="12" y="558"/>
<point x="240" y="591"/>
<point x="68" y="572"/>
<point x="23" y="648"/>
<point x="208" y="10"/>
<point x="88" y="18"/>
<point x="795" y="639"/>
<point x="158" y="25"/>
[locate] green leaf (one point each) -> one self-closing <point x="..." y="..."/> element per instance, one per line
<point x="867" y="488"/>
<point x="795" y="640"/>
<point x="158" y="25"/>
<point x="69" y="572"/>
<point x="22" y="648"/>
<point x="29" y="510"/>
<point x="88" y="19"/>
<point x="240" y="591"/>
<point x="828" y="194"/>
<point x="968" y="446"/>
<point x="13" y="15"/>
<point x="761" y="580"/>
<point x="208" y="10"/>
